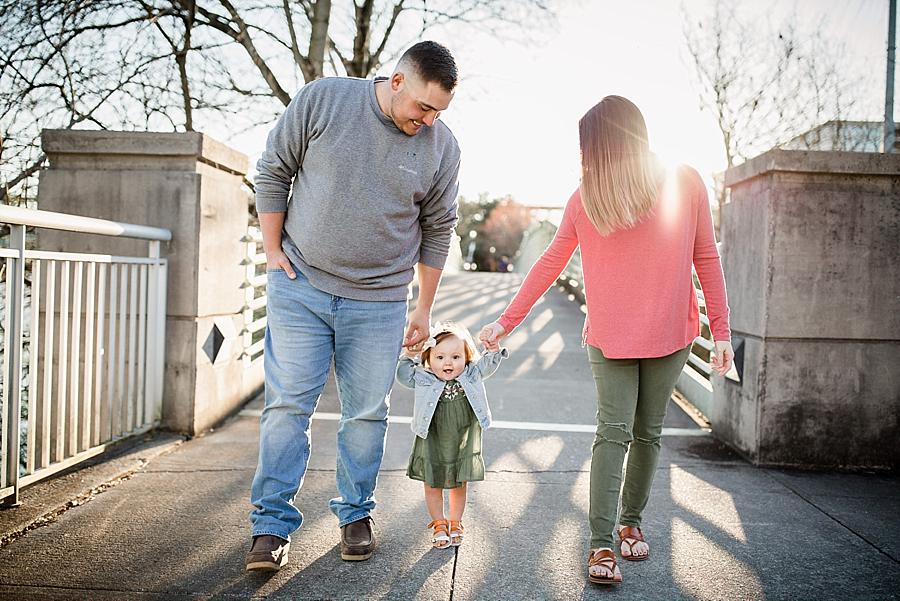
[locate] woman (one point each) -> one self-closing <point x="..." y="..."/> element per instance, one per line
<point x="640" y="230"/>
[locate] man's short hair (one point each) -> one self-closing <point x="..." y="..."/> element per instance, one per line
<point x="432" y="62"/>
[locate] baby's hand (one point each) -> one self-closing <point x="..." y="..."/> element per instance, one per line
<point x="490" y="336"/>
<point x="411" y="354"/>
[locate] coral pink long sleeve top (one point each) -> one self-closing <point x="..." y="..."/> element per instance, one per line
<point x="640" y="295"/>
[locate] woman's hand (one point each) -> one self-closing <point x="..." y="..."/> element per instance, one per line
<point x="490" y="336"/>
<point x="721" y="360"/>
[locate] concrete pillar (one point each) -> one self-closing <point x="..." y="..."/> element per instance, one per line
<point x="190" y="184"/>
<point x="811" y="249"/>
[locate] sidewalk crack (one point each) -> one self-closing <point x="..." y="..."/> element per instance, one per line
<point x="453" y="574"/>
<point x="836" y="520"/>
<point x="52" y="515"/>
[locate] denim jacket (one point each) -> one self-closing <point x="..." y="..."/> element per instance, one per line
<point x="428" y="388"/>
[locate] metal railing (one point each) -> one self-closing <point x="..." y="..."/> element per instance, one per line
<point x="571" y="278"/>
<point x="694" y="381"/>
<point x="254" y="309"/>
<point x="87" y="370"/>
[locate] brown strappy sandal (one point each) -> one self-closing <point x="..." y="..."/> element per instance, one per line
<point x="605" y="559"/>
<point x="441" y="537"/>
<point x="630" y="535"/>
<point x="456" y="533"/>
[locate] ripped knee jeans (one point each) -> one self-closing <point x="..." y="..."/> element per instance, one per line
<point x="632" y="398"/>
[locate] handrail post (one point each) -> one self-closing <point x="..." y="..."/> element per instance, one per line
<point x="156" y="330"/>
<point x="12" y="385"/>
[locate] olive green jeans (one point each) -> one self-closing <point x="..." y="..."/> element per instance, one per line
<point x="632" y="397"/>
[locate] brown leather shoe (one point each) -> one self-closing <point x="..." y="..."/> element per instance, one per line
<point x="267" y="553"/>
<point x="357" y="540"/>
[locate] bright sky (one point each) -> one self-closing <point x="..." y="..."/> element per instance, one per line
<point x="516" y="111"/>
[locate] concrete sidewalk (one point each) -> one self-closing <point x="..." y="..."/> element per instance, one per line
<point x="176" y="527"/>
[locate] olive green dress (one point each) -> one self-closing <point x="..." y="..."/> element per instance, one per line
<point x="451" y="454"/>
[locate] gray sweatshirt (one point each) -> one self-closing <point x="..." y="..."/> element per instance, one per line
<point x="368" y="201"/>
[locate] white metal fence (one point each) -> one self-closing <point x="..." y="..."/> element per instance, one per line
<point x="694" y="381"/>
<point x="254" y="309"/>
<point x="83" y="364"/>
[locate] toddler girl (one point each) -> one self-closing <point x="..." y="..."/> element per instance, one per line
<point x="449" y="413"/>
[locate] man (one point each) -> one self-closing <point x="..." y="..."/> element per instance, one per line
<point x="374" y="178"/>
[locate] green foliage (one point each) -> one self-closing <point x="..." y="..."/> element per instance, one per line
<point x="498" y="225"/>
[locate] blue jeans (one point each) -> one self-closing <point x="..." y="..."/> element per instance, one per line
<point x="306" y="329"/>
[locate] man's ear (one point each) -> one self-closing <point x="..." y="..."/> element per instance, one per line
<point x="397" y="81"/>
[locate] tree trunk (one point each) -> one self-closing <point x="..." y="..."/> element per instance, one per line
<point x="181" y="60"/>
<point x="318" y="39"/>
<point x="359" y="64"/>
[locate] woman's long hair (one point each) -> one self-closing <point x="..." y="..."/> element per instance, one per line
<point x="620" y="177"/>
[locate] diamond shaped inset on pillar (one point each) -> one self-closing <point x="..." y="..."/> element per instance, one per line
<point x="213" y="343"/>
<point x="220" y="342"/>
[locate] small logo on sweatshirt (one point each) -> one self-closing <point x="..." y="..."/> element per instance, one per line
<point x="407" y="169"/>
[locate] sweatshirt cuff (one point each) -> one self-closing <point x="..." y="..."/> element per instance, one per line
<point x="431" y="258"/>
<point x="506" y="324"/>
<point x="271" y="204"/>
<point x="722" y="337"/>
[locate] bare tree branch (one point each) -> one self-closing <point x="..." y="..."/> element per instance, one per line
<point x="246" y="41"/>
<point x="182" y="64"/>
<point x="764" y="85"/>
<point x="300" y="60"/>
<point x="24" y="174"/>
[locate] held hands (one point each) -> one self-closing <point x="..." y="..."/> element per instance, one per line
<point x="417" y="331"/>
<point x="276" y="259"/>
<point x="721" y="360"/>
<point x="490" y="336"/>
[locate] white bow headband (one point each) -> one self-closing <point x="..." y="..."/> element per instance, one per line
<point x="440" y="328"/>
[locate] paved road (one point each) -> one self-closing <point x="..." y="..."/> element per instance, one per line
<point x="719" y="528"/>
